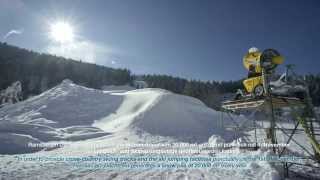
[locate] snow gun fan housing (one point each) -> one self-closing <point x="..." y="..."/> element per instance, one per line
<point x="261" y="67"/>
<point x="256" y="62"/>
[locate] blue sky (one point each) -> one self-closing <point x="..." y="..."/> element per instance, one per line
<point x="195" y="39"/>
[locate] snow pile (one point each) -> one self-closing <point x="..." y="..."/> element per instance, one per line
<point x="65" y="112"/>
<point x="163" y="113"/>
<point x="70" y="112"/>
<point x="83" y="118"/>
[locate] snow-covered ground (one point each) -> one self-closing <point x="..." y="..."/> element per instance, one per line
<point x="83" y="119"/>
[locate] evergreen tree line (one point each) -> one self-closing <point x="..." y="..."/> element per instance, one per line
<point x="210" y="92"/>
<point x="38" y="72"/>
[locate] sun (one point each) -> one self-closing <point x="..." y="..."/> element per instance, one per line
<point x="61" y="32"/>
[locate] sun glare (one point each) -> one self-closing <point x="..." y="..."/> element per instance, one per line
<point x="61" y="32"/>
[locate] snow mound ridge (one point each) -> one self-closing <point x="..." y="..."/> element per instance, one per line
<point x="71" y="112"/>
<point x="160" y="112"/>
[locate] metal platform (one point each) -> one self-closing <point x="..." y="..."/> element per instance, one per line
<point x="247" y="104"/>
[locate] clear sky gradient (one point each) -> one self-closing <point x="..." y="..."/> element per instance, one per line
<point x="195" y="39"/>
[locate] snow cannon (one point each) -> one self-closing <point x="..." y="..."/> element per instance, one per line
<point x="258" y="85"/>
<point x="258" y="65"/>
<point x="255" y="60"/>
<point x="270" y="59"/>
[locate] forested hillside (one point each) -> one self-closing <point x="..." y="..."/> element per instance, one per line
<point x="38" y="72"/>
<point x="209" y="92"/>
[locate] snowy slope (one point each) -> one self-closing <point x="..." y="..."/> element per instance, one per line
<point x="82" y="118"/>
<point x="65" y="112"/>
<point x="163" y="113"/>
<point x="72" y="112"/>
